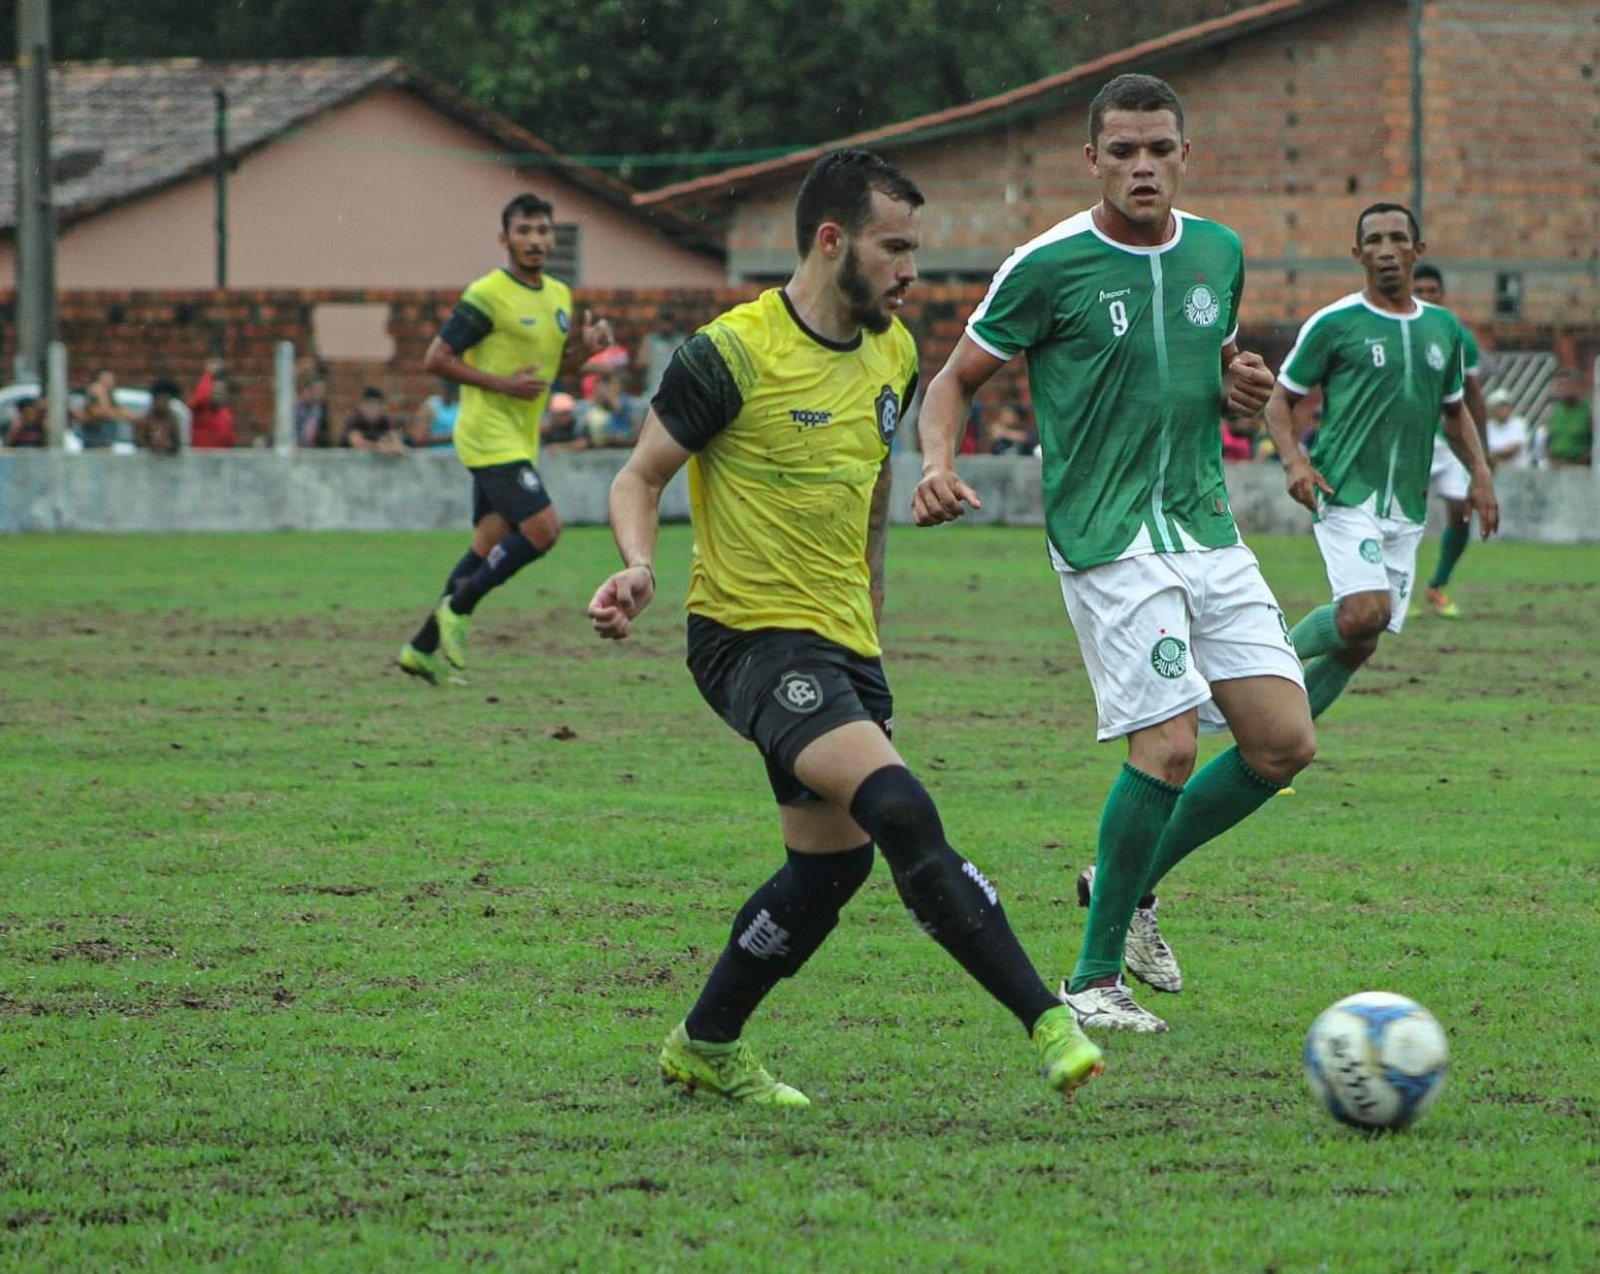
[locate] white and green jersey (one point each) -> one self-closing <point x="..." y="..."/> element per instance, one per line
<point x="1385" y="378"/>
<point x="1124" y="349"/>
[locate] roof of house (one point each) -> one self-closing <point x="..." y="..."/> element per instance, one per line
<point x="1040" y="95"/>
<point x="124" y="130"/>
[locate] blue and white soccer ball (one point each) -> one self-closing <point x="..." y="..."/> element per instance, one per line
<point x="1376" y="1060"/>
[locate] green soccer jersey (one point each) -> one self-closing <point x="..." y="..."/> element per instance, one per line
<point x="1124" y="349"/>
<point x="1385" y="378"/>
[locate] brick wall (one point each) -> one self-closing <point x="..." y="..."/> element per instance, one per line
<point x="143" y="335"/>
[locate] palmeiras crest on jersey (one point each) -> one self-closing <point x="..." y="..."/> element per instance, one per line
<point x="799" y="692"/>
<point x="1435" y="356"/>
<point x="888" y="414"/>
<point x="1170" y="657"/>
<point x="1202" y="306"/>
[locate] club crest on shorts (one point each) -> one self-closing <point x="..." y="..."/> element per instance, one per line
<point x="1170" y="657"/>
<point x="888" y="414"/>
<point x="1371" y="551"/>
<point x="527" y="479"/>
<point x="799" y="692"/>
<point x="1201" y="306"/>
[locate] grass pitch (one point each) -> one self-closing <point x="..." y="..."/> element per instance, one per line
<point x="304" y="966"/>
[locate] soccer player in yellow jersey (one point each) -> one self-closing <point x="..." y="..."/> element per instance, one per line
<point x="784" y="409"/>
<point x="505" y="342"/>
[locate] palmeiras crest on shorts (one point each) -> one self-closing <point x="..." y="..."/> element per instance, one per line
<point x="1202" y="306"/>
<point x="799" y="692"/>
<point x="1435" y="356"/>
<point x="527" y="479"/>
<point x="1170" y="657"/>
<point x="888" y="414"/>
<point x="1371" y="551"/>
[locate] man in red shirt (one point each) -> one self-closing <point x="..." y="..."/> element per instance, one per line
<point x="212" y="425"/>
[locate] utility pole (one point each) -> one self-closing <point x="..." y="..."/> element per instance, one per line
<point x="220" y="181"/>
<point x="36" y="217"/>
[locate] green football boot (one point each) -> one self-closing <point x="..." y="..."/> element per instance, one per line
<point x="453" y="629"/>
<point x="1068" y="1058"/>
<point x="419" y="663"/>
<point x="729" y="1070"/>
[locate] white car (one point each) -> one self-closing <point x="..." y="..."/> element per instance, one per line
<point x="135" y="401"/>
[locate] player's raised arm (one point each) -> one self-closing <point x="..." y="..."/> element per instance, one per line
<point x="941" y="496"/>
<point x="635" y="521"/>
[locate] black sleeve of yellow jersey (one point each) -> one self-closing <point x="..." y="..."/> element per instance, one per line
<point x="911" y="392"/>
<point x="698" y="398"/>
<point x="466" y="326"/>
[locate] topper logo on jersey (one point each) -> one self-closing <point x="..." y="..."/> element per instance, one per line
<point x="799" y="692"/>
<point x="810" y="419"/>
<point x="888" y="414"/>
<point x="1201" y="306"/>
<point x="1435" y="356"/>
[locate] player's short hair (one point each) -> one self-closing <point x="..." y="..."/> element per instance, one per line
<point x="1411" y="220"/>
<point x="165" y="385"/>
<point x="839" y="189"/>
<point x="527" y="204"/>
<point x="1426" y="271"/>
<point x="1132" y="93"/>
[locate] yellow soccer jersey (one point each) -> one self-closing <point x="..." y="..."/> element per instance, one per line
<point x="500" y="325"/>
<point x="789" y="432"/>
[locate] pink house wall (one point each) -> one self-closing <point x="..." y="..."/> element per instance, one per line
<point x="385" y="192"/>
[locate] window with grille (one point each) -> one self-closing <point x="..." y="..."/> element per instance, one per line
<point x="566" y="259"/>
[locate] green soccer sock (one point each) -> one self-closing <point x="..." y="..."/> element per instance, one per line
<point x="1318" y="633"/>
<point x="1452" y="544"/>
<point x="1326" y="679"/>
<point x="1223" y="793"/>
<point x="1130" y="826"/>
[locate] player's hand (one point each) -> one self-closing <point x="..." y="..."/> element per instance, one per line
<point x="597" y="333"/>
<point x="618" y="601"/>
<point x="941" y="497"/>
<point x="523" y="383"/>
<point x="1304" y="482"/>
<point x="1485" y="504"/>
<point x="1249" y="384"/>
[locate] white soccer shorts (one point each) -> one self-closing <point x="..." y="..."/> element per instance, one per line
<point x="1158" y="629"/>
<point x="1364" y="553"/>
<point x="1450" y="476"/>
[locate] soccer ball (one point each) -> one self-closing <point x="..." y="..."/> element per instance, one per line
<point x="1376" y="1060"/>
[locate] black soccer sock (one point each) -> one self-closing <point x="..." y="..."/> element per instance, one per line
<point x="775" y="933"/>
<point x="427" y="638"/>
<point x="505" y="560"/>
<point x="947" y="896"/>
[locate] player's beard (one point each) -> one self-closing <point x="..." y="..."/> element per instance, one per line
<point x="865" y="306"/>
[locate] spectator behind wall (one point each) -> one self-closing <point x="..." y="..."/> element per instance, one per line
<point x="433" y="428"/>
<point x="313" y="424"/>
<point x="1569" y="429"/>
<point x="656" y="351"/>
<point x="370" y="428"/>
<point x="559" y="429"/>
<point x="102" y="422"/>
<point x="1010" y="434"/>
<point x="159" y="429"/>
<point x="211" y="423"/>
<point x="613" y="418"/>
<point x="27" y="429"/>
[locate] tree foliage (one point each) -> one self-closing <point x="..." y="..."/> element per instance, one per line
<point x="643" y="84"/>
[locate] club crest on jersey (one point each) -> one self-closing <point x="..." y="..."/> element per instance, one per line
<point x="562" y="321"/>
<point x="1170" y="657"/>
<point x="799" y="692"/>
<point x="1202" y="306"/>
<point x="1435" y="356"/>
<point x="888" y="414"/>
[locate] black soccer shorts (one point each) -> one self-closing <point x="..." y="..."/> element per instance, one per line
<point x="515" y="491"/>
<point x="783" y="689"/>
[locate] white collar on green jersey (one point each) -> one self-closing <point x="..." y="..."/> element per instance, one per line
<point x="1178" y="218"/>
<point x="1416" y="310"/>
